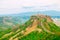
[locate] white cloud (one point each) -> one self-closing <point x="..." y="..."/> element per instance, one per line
<point x="17" y="6"/>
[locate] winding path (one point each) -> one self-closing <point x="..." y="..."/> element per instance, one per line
<point x="46" y="29"/>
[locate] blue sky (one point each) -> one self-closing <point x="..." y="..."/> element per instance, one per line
<point x="18" y="6"/>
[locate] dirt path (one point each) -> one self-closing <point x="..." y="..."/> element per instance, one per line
<point x="31" y="29"/>
<point x="12" y="38"/>
<point x="28" y="30"/>
<point x="6" y="35"/>
<point x="46" y="29"/>
<point x="16" y="39"/>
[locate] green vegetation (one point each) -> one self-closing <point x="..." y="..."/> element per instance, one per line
<point x="49" y="30"/>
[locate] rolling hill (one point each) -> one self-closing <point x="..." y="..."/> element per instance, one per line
<point x="38" y="27"/>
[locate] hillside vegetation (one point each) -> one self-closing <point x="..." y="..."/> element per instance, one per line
<point x="38" y="27"/>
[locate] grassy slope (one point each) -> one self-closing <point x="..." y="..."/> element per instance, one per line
<point x="43" y="35"/>
<point x="35" y="35"/>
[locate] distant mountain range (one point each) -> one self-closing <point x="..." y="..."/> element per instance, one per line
<point x="20" y="18"/>
<point x="50" y="13"/>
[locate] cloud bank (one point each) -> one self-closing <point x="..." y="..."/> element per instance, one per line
<point x="18" y="6"/>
